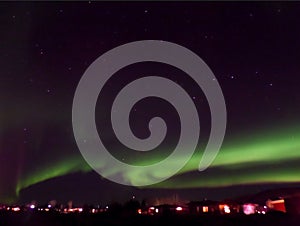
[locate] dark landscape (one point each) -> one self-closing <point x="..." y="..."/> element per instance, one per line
<point x="37" y="219"/>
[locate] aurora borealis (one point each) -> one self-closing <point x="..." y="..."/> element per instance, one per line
<point x="252" y="48"/>
<point x="247" y="161"/>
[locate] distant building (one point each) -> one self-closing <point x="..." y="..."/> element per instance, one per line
<point x="276" y="205"/>
<point x="292" y="204"/>
<point x="230" y="207"/>
<point x="203" y="207"/>
<point x="167" y="209"/>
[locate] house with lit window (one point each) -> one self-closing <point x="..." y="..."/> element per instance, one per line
<point x="203" y="207"/>
<point x="167" y="209"/>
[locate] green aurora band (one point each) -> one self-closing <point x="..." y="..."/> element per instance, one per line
<point x="61" y="168"/>
<point x="262" y="158"/>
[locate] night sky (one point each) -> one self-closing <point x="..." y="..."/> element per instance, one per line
<point x="252" y="48"/>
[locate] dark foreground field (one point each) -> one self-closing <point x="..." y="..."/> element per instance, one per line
<point x="54" y="219"/>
